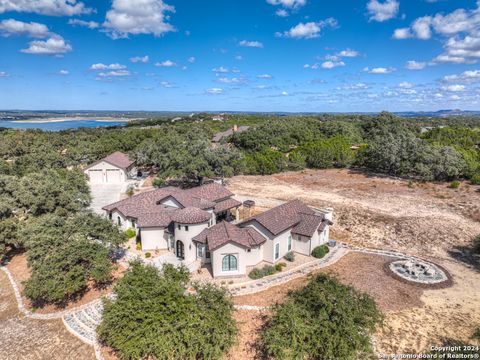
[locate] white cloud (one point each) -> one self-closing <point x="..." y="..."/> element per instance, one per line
<point x="332" y="64"/>
<point x="264" y="76"/>
<point x="466" y="76"/>
<point x="284" y="93"/>
<point x="406" y="85"/>
<point x="379" y="70"/>
<point x="4" y="74"/>
<point x="308" y="30"/>
<point x="357" y="86"/>
<point x="55" y="45"/>
<point x="220" y="69"/>
<point x="166" y="63"/>
<point x="382" y="11"/>
<point x="454" y="88"/>
<point x="348" y="53"/>
<point x="114" y="73"/>
<point x="234" y="80"/>
<point x="88" y="24"/>
<point x="101" y="66"/>
<point x="32" y="29"/>
<point x="140" y="59"/>
<point x="45" y="7"/>
<point x="460" y="29"/>
<point x="63" y="72"/>
<point x="214" y="91"/>
<point x="415" y="65"/>
<point x="402" y="33"/>
<point x="191" y="59"/>
<point x="166" y="84"/>
<point x="238" y="57"/>
<point x="255" y="44"/>
<point x="281" y="13"/>
<point x="421" y="28"/>
<point x="291" y="4"/>
<point x="455" y="97"/>
<point x="138" y="17"/>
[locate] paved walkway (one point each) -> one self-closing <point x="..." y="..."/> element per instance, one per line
<point x="83" y="321"/>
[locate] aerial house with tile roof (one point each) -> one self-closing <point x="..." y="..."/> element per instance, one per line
<point x="114" y="169"/>
<point x="199" y="226"/>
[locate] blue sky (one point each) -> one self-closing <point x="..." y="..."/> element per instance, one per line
<point x="245" y="55"/>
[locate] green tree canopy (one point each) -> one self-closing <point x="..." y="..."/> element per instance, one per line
<point x="154" y="316"/>
<point x="324" y="320"/>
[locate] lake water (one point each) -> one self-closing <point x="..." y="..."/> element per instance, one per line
<point x="58" y="125"/>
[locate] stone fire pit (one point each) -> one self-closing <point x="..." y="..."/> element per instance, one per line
<point x="418" y="271"/>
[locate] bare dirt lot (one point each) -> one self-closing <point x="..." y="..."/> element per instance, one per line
<point x="30" y="339"/>
<point x="431" y="221"/>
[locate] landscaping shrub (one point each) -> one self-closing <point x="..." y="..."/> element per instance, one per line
<point x="155" y="317"/>
<point x="476" y="245"/>
<point x="324" y="320"/>
<point x="454" y="184"/>
<point x="130" y="233"/>
<point x="138" y="246"/>
<point x="475" y="180"/>
<point x="320" y="251"/>
<point x="260" y="273"/>
<point x="148" y="255"/>
<point x="290" y="256"/>
<point x="278" y="267"/>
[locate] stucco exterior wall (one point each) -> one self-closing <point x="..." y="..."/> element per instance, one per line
<point x="153" y="239"/>
<point x="301" y="245"/>
<point x="228" y="249"/>
<point x="255" y="256"/>
<point x="169" y="201"/>
<point x="125" y="223"/>
<point x="281" y="239"/>
<point x="104" y="166"/>
<point x="186" y="237"/>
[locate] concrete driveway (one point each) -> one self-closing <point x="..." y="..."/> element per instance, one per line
<point x="104" y="194"/>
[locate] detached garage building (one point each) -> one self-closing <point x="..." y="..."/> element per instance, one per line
<point x="116" y="168"/>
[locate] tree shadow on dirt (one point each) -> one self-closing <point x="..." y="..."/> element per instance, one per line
<point x="466" y="255"/>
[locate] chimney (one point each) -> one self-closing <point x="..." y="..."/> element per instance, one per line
<point x="235" y="128"/>
<point x="329" y="214"/>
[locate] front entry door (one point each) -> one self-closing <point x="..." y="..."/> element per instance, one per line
<point x="180" y="250"/>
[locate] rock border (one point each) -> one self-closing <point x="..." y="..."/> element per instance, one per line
<point x="448" y="282"/>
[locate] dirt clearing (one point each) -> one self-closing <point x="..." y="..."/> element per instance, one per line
<point x="428" y="220"/>
<point x="30" y="339"/>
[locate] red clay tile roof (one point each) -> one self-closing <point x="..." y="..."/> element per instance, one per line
<point x="226" y="205"/>
<point x="156" y="219"/>
<point x="211" y="192"/>
<point x="117" y="159"/>
<point x="282" y="217"/>
<point x="146" y="207"/>
<point x="224" y="232"/>
<point x="191" y="215"/>
<point x="308" y="225"/>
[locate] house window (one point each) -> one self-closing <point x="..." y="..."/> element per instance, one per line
<point x="172" y="242"/>
<point x="289" y="242"/>
<point x="179" y="227"/>
<point x="134" y="224"/>
<point x="119" y="221"/>
<point x="110" y="216"/>
<point x="186" y="227"/>
<point x="277" y="251"/>
<point x="200" y="251"/>
<point x="207" y="254"/>
<point x="229" y="263"/>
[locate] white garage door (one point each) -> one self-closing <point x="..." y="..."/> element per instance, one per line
<point x="95" y="176"/>
<point x="113" y="176"/>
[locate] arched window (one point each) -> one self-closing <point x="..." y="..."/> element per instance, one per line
<point x="229" y="263"/>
